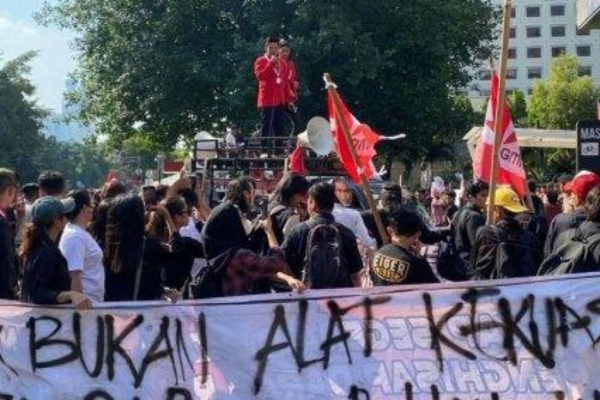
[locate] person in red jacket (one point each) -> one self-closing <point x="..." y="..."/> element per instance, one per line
<point x="271" y="73"/>
<point x="291" y="93"/>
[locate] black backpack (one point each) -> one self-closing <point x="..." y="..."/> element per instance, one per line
<point x="448" y="263"/>
<point x="516" y="255"/>
<point x="209" y="281"/>
<point x="323" y="266"/>
<point x="572" y="256"/>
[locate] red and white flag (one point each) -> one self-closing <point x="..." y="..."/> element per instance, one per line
<point x="511" y="171"/>
<point x="363" y="137"/>
<point x="598" y="111"/>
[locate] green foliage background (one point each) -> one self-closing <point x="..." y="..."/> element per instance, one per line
<point x="172" y="67"/>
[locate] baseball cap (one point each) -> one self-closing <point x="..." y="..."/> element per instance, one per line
<point x="47" y="209"/>
<point x="508" y="199"/>
<point x="582" y="183"/>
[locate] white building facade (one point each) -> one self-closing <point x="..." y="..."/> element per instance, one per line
<point x="540" y="31"/>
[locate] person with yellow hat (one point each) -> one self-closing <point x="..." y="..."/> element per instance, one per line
<point x="505" y="249"/>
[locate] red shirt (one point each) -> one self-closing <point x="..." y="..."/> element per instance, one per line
<point x="272" y="76"/>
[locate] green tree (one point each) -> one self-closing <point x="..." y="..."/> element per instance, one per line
<point x="518" y="108"/>
<point x="563" y="98"/>
<point x="176" y="66"/>
<point x="20" y="118"/>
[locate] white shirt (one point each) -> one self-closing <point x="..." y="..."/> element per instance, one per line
<point x="190" y="231"/>
<point x="230" y="140"/>
<point x="83" y="254"/>
<point x="352" y="220"/>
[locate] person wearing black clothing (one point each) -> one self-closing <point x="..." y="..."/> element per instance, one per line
<point x="505" y="249"/>
<point x="588" y="232"/>
<point x="124" y="247"/>
<point x="578" y="188"/>
<point x="399" y="262"/>
<point x="227" y="226"/>
<point x="8" y="259"/>
<point x="391" y="199"/>
<point x="468" y="220"/>
<point x="183" y="250"/>
<point x="46" y="277"/>
<point x="321" y="199"/>
<point x="289" y="199"/>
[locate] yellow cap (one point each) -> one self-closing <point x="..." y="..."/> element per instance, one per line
<point x="508" y="199"/>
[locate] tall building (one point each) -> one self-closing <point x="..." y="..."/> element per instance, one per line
<point x="64" y="126"/>
<point x="540" y="31"/>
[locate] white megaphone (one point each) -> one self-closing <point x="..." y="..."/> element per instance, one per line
<point x="317" y="136"/>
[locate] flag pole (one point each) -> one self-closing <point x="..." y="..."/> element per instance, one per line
<point x="501" y="98"/>
<point x="356" y="160"/>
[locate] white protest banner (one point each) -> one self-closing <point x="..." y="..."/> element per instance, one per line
<point x="528" y="339"/>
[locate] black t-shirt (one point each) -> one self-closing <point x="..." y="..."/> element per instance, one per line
<point x="393" y="265"/>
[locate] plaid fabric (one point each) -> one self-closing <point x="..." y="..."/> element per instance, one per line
<point x="246" y="268"/>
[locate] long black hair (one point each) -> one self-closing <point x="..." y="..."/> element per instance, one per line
<point x="124" y="233"/>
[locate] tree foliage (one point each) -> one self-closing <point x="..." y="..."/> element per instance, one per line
<point x="563" y="98"/>
<point x="518" y="108"/>
<point x="20" y="117"/>
<point x="176" y="66"/>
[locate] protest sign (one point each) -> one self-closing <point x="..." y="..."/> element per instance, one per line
<point x="520" y="339"/>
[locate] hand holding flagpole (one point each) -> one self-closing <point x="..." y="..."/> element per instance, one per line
<point x="331" y="87"/>
<point x="499" y="111"/>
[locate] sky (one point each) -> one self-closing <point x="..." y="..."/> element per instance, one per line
<point x="20" y="33"/>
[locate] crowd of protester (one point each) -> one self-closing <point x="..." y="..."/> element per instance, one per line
<point x="89" y="246"/>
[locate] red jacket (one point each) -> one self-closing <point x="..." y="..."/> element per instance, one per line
<point x="272" y="79"/>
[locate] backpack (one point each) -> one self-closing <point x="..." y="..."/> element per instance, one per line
<point x="448" y="263"/>
<point x="323" y="266"/>
<point x="571" y="256"/>
<point x="516" y="256"/>
<point x="209" y="281"/>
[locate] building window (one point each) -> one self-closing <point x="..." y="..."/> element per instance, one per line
<point x="512" y="33"/>
<point x="584" y="70"/>
<point x="533" y="11"/>
<point x="512" y="54"/>
<point x="534" y="52"/>
<point x="558" y="51"/>
<point x="557" y="10"/>
<point x="557" y="31"/>
<point x="511" y="73"/>
<point x="513" y="12"/>
<point x="534" y="72"/>
<point x="485" y="74"/>
<point x="534" y="31"/>
<point x="584" y="51"/>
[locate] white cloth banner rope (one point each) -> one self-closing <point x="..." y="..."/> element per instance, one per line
<point x="506" y="340"/>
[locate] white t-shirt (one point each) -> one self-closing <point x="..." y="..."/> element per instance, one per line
<point x="190" y="231"/>
<point x="84" y="254"/>
<point x="352" y="220"/>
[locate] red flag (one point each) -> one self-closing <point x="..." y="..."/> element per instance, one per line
<point x="511" y="171"/>
<point x="363" y="137"/>
<point x="297" y="161"/>
<point x="598" y="110"/>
